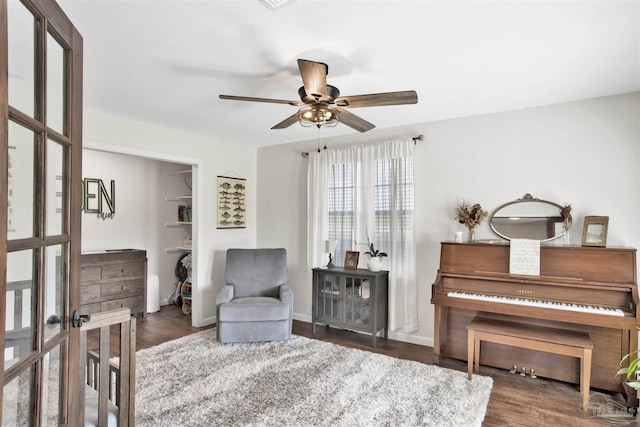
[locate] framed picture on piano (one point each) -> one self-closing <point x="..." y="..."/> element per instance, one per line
<point x="594" y="231"/>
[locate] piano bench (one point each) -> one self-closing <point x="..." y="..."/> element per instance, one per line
<point x="558" y="341"/>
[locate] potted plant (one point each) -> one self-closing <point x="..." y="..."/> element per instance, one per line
<point x="375" y="258"/>
<point x="632" y="371"/>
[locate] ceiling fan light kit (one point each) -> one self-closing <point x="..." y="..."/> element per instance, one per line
<point x="318" y="115"/>
<point x="322" y="103"/>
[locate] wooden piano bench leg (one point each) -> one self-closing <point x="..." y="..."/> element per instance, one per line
<point x="476" y="354"/>
<point x="585" y="377"/>
<point x="470" y="352"/>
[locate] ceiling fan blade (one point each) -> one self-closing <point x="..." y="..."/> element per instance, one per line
<point x="348" y="118"/>
<point x="269" y="100"/>
<point x="314" y="78"/>
<point x="378" y="99"/>
<point x="287" y="122"/>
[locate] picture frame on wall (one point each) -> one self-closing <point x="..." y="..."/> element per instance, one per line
<point x="231" y="202"/>
<point x="351" y="260"/>
<point x="594" y="231"/>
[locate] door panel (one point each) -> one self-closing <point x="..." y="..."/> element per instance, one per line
<point x="55" y="84"/>
<point x="21" y="33"/>
<point x="21" y="174"/>
<point x="51" y="387"/>
<point x="56" y="197"/>
<point x="40" y="191"/>
<point x="53" y="293"/>
<point x="15" y="403"/>
<point x="19" y="339"/>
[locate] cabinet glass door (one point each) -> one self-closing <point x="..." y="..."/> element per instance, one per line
<point x="358" y="301"/>
<point x="328" y="297"/>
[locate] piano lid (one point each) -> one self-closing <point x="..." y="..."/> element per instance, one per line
<point x="591" y="264"/>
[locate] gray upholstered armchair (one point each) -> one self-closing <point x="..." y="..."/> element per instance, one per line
<point x="256" y="304"/>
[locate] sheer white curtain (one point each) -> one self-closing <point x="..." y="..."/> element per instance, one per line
<point x="365" y="193"/>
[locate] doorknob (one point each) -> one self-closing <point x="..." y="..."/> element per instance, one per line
<point x="79" y="319"/>
<point x="52" y="321"/>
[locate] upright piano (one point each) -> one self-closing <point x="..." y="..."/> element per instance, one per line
<point x="590" y="289"/>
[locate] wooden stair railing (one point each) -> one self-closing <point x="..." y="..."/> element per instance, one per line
<point x="113" y="382"/>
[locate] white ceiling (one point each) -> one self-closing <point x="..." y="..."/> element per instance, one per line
<point x="166" y="62"/>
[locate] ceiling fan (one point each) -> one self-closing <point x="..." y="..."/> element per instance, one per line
<point x="322" y="104"/>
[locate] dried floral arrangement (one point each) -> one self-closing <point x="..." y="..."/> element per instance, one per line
<point x="565" y="213"/>
<point x="470" y="216"/>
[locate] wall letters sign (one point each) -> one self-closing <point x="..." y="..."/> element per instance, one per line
<point x="94" y="193"/>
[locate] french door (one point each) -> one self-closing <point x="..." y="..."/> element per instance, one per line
<point x="40" y="199"/>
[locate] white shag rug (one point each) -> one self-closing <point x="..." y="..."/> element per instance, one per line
<point x="196" y="381"/>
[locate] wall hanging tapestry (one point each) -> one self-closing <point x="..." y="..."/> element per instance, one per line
<point x="231" y="202"/>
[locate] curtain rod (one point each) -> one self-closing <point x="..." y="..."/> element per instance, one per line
<point x="420" y="137"/>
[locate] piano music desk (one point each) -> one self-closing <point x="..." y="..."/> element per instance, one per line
<point x="558" y="341"/>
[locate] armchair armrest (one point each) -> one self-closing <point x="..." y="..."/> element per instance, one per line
<point x="286" y="295"/>
<point x="225" y="295"/>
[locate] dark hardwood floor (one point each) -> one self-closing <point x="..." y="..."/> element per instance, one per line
<point x="515" y="400"/>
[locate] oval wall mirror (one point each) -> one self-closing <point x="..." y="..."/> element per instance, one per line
<point x="528" y="218"/>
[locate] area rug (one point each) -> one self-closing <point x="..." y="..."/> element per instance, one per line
<point x="196" y="381"/>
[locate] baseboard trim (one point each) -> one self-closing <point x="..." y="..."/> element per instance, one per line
<point x="302" y="317"/>
<point x="208" y="321"/>
<point x="394" y="335"/>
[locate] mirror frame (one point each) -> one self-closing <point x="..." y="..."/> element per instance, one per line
<point x="527" y="198"/>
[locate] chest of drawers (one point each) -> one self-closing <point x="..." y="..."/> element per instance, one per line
<point x="114" y="279"/>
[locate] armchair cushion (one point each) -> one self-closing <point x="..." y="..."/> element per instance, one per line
<point x="254" y="309"/>
<point x="256" y="272"/>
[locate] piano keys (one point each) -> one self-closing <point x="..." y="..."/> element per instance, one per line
<point x="555" y="305"/>
<point x="589" y="289"/>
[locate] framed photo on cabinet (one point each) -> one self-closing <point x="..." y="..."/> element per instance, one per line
<point x="594" y="231"/>
<point x="351" y="260"/>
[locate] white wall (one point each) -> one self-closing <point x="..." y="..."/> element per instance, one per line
<point x="135" y="202"/>
<point x="584" y="153"/>
<point x="210" y="158"/>
<point x="142" y="187"/>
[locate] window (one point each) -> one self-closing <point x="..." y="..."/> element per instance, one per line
<point x="393" y="203"/>
<point x="361" y="192"/>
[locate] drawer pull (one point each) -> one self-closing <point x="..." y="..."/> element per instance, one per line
<point x="122" y="305"/>
<point x="124" y="288"/>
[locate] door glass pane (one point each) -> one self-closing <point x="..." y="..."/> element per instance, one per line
<point x="56" y="197"/>
<point x="55" y="84"/>
<point x="21" y="57"/>
<point x="54" y="288"/>
<point x="19" y="301"/>
<point x="21" y="187"/>
<point x="15" y="400"/>
<point x="51" y="387"/>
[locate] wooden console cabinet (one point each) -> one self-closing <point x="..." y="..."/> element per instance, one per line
<point x="114" y="279"/>
<point x="350" y="299"/>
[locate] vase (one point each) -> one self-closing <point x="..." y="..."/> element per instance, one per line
<point x="566" y="237"/>
<point x="374" y="264"/>
<point x="471" y="237"/>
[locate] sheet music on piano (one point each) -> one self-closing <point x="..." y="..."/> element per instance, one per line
<point x="524" y="257"/>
